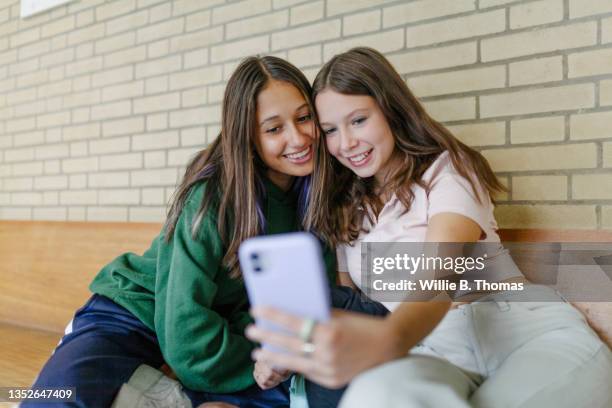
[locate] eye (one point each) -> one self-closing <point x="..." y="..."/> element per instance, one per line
<point x="329" y="131"/>
<point x="358" y="121"/>
<point x="274" y="129"/>
<point x="304" y="118"/>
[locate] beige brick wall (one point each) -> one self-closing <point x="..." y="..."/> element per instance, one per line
<point x="103" y="102"/>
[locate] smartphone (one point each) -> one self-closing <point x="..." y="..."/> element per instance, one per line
<point x="287" y="272"/>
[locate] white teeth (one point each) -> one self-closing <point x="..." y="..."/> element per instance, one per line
<point x="357" y="159"/>
<point x="299" y="155"/>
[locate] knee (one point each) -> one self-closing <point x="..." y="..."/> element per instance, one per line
<point x="407" y="383"/>
<point x="377" y="386"/>
<point x="366" y="390"/>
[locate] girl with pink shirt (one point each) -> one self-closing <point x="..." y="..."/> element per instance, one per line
<point x="385" y="171"/>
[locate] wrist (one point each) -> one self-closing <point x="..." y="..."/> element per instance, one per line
<point x="394" y="341"/>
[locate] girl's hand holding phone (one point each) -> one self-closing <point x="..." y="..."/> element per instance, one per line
<point x="268" y="377"/>
<point x="338" y="350"/>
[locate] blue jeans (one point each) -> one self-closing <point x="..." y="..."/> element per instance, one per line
<point x="104" y="345"/>
<point x="342" y="298"/>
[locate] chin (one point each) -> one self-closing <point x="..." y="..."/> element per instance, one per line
<point x="299" y="172"/>
<point x="304" y="173"/>
<point x="362" y="172"/>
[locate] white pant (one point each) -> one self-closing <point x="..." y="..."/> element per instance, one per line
<point x="500" y="353"/>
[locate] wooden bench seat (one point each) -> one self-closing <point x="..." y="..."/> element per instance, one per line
<point x="44" y="274"/>
<point x="47" y="266"/>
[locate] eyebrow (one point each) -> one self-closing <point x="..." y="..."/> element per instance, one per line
<point x="349" y="115"/>
<point x="304" y="105"/>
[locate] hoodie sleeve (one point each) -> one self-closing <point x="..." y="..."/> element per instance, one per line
<point x="197" y="342"/>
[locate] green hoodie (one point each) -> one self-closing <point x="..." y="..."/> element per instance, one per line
<point x="181" y="290"/>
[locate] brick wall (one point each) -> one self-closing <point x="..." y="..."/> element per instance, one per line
<point x="103" y="102"/>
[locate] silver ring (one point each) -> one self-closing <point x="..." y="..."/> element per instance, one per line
<point x="307" y="329"/>
<point x="308" y="348"/>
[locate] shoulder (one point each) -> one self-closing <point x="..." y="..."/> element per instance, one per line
<point x="196" y="194"/>
<point x="443" y="169"/>
<point x="442" y="165"/>
<point x="443" y="177"/>
<point x="191" y="210"/>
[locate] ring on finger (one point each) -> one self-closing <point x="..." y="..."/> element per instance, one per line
<point x="307" y="329"/>
<point x="308" y="349"/>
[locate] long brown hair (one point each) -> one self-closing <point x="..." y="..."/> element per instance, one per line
<point x="337" y="194"/>
<point x="230" y="165"/>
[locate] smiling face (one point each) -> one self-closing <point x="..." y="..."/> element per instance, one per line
<point x="285" y="132"/>
<point x="356" y="133"/>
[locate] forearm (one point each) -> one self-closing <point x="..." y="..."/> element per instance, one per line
<point x="212" y="365"/>
<point x="412" y="322"/>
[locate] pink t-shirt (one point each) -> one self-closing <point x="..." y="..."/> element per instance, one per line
<point x="449" y="192"/>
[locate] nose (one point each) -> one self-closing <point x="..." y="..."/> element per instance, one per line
<point x="347" y="141"/>
<point x="296" y="136"/>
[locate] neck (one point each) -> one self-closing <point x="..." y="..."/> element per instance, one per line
<point x="280" y="180"/>
<point x="381" y="178"/>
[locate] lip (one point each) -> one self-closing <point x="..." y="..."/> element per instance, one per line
<point x="364" y="161"/>
<point x="303" y="159"/>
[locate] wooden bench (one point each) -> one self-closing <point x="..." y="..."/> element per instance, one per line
<point x="44" y="274"/>
<point x="47" y="266"/>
